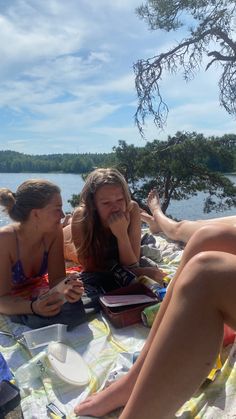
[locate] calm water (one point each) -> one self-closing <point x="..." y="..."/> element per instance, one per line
<point x="72" y="184"/>
<point x="69" y="184"/>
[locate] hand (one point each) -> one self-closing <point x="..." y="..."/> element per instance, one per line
<point x="74" y="289"/>
<point x="118" y="223"/>
<point x="48" y="306"/>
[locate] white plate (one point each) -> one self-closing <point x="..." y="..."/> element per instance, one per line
<point x="68" y="364"/>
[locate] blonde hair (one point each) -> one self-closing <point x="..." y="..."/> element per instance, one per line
<point x="92" y="247"/>
<point x="31" y="194"/>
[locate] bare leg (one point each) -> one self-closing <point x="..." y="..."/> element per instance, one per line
<point x="118" y="393"/>
<point x="188" y="339"/>
<point x="175" y="230"/>
<point x="179" y="230"/>
<point x="217" y="236"/>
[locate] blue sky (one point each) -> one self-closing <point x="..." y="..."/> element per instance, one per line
<point x="67" y="82"/>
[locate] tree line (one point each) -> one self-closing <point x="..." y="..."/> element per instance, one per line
<point x="225" y="146"/>
<point x="15" y="162"/>
<point x="179" y="168"/>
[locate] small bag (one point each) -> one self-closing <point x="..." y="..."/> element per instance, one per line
<point x="9" y="398"/>
<point x="5" y="372"/>
<point x="122" y="275"/>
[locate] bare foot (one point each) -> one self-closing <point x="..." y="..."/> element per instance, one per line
<point x="149" y="219"/>
<point x="109" y="399"/>
<point x="153" y="201"/>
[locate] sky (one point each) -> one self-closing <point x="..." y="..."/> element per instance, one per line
<point x="67" y="80"/>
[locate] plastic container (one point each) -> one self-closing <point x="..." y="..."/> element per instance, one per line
<point x="26" y="373"/>
<point x="44" y="335"/>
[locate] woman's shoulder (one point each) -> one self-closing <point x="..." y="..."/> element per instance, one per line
<point x="78" y="214"/>
<point x="7" y="231"/>
<point x="7" y="236"/>
<point x="134" y="207"/>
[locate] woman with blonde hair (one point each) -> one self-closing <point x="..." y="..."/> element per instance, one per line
<point x="106" y="231"/>
<point x="106" y="210"/>
<point x="31" y="247"/>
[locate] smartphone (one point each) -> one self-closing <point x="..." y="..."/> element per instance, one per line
<point x="60" y="287"/>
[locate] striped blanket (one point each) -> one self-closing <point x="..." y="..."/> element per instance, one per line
<point x="109" y="352"/>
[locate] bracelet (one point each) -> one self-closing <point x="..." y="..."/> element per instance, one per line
<point x="31" y="307"/>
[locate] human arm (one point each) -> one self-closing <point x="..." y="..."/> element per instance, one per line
<point x="56" y="270"/>
<point x="69" y="248"/>
<point x="126" y="227"/>
<point x="56" y="262"/>
<point x="11" y="304"/>
<point x="78" y="235"/>
<point x="15" y="305"/>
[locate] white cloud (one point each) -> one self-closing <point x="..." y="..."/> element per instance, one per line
<point x="66" y="77"/>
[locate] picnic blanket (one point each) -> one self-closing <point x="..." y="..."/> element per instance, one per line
<point x="109" y="353"/>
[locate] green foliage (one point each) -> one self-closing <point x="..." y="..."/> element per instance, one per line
<point x="74" y="201"/>
<point x="127" y="162"/>
<point x="210" y="28"/>
<point x="14" y="162"/>
<point x="179" y="168"/>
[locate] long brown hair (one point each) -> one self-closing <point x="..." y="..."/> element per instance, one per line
<point x="94" y="243"/>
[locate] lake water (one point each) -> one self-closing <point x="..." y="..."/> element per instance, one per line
<point x="72" y="184"/>
<point x="69" y="184"/>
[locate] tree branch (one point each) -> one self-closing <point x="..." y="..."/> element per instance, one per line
<point x="148" y="72"/>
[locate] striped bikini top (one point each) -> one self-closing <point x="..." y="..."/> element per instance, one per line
<point x="18" y="275"/>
